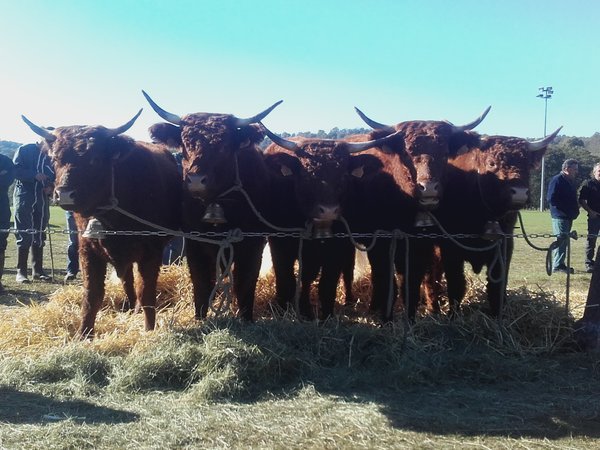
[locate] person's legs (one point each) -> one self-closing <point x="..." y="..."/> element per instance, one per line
<point x="41" y="216"/>
<point x="4" y="225"/>
<point x="560" y="227"/>
<point x="23" y="221"/>
<point x="590" y="243"/>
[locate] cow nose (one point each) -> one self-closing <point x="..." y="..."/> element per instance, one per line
<point x="519" y="196"/>
<point x="196" y="184"/>
<point x="65" y="197"/>
<point x="429" y="193"/>
<point x="325" y="212"/>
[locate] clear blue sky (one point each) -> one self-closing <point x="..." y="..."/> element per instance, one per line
<point x="65" y="62"/>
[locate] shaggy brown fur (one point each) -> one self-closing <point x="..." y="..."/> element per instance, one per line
<point x="146" y="183"/>
<point x="314" y="182"/>
<point x="216" y="154"/>
<point x="481" y="186"/>
<point x="414" y="166"/>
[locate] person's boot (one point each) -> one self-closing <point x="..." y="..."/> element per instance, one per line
<point x="36" y="257"/>
<point x="22" y="253"/>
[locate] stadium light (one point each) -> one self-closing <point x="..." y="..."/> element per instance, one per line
<point x="545" y="93"/>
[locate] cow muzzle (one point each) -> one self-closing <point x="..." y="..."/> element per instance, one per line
<point x="65" y="198"/>
<point x="518" y="197"/>
<point x="429" y="195"/>
<point x="196" y="185"/>
<point x="328" y="213"/>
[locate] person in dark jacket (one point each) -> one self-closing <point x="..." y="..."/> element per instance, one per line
<point x="589" y="199"/>
<point x="7" y="176"/>
<point x="564" y="209"/>
<point x="35" y="181"/>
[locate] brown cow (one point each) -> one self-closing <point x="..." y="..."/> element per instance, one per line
<point x="484" y="187"/>
<point x="103" y="174"/>
<point x="411" y="181"/>
<point x="226" y="185"/>
<point x="312" y="181"/>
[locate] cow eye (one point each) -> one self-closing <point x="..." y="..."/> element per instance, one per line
<point x="491" y="164"/>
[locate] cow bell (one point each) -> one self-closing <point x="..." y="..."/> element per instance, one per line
<point x="492" y="231"/>
<point x="214" y="214"/>
<point x="423" y="220"/>
<point x="94" y="230"/>
<point x="321" y="229"/>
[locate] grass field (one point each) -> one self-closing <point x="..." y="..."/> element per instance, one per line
<point x="473" y="382"/>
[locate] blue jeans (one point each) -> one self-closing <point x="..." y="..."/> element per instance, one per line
<point x="73" y="247"/>
<point x="560" y="226"/>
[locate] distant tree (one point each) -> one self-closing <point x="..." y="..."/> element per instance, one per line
<point x="555" y="155"/>
<point x="9" y="148"/>
<point x="592" y="144"/>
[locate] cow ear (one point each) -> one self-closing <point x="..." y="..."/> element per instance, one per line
<point x="282" y="164"/>
<point x="358" y="172"/>
<point x="462" y="142"/>
<point x="535" y="158"/>
<point x="167" y="134"/>
<point x="461" y="151"/>
<point x="361" y="165"/>
<point x="250" y="135"/>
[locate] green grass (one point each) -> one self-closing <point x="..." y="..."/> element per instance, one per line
<point x="470" y="383"/>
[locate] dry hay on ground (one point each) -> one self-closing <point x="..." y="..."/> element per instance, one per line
<point x="533" y="322"/>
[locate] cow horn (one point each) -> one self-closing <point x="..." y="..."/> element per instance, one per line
<point x="125" y="127"/>
<point x="169" y="117"/>
<point x="372" y="123"/>
<point x="39" y="130"/>
<point x="471" y="125"/>
<point x="354" y="147"/>
<point x="257" y="118"/>
<point x="542" y="143"/>
<point x="288" y="145"/>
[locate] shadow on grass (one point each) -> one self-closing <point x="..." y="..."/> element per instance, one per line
<point x="455" y="388"/>
<point x="505" y="410"/>
<point x="20" y="407"/>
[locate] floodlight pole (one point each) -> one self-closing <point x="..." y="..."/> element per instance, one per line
<point x="545" y="93"/>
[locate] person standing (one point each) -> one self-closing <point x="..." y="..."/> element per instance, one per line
<point x="35" y="181"/>
<point x="589" y="199"/>
<point x="72" y="248"/>
<point x="7" y="176"/>
<point x="564" y="209"/>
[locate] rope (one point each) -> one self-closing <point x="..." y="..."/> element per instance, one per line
<point x="225" y="254"/>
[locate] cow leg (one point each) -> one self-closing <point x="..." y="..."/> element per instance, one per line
<point x="94" y="272"/>
<point x="417" y="265"/>
<point x="432" y="282"/>
<point x="454" y="267"/>
<point x="382" y="277"/>
<point x="126" y="277"/>
<point x="496" y="291"/>
<point x="284" y="252"/>
<point x="202" y="273"/>
<point x="148" y="270"/>
<point x="247" y="261"/>
<point x="311" y="265"/>
<point x="330" y="276"/>
<point x="349" y="254"/>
